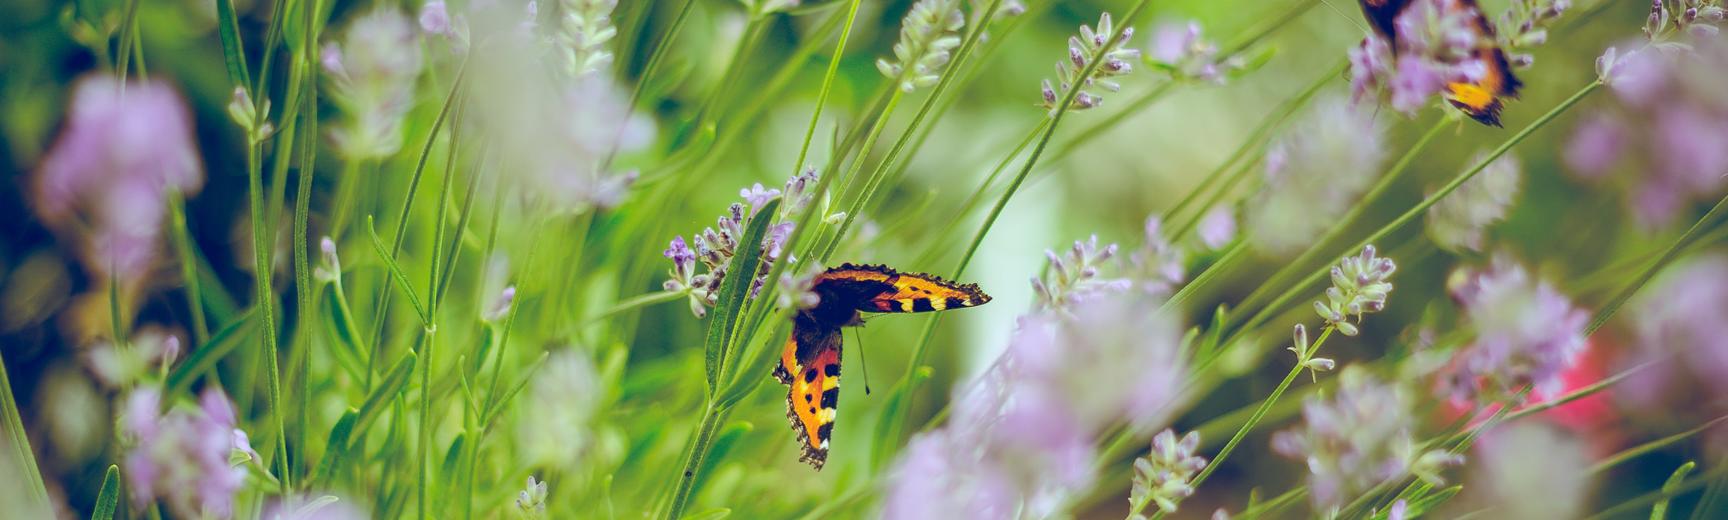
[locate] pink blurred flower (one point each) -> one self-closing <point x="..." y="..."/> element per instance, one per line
<point x="1670" y="126"/>
<point x="108" y="176"/>
<point x="182" y="456"/>
<point x="1527" y="333"/>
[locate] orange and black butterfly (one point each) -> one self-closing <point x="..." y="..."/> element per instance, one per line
<point x="1481" y="99"/>
<point x="810" y="364"/>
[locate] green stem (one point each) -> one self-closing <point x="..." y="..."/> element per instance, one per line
<point x="182" y="238"/>
<point x="19" y="441"/>
<point x="265" y="297"/>
<point x="712" y="416"/>
<point x="1259" y="413"/>
<point x="827" y="85"/>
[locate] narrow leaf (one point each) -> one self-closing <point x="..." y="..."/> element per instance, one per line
<point x="734" y="292"/>
<point x="109" y="498"/>
<point x="335" y="449"/>
<point x="202" y="359"/>
<point x="381" y="397"/>
<point x="396" y="272"/>
<point x="1670" y="488"/>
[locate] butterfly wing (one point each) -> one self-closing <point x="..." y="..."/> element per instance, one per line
<point x="810" y="369"/>
<point x="877" y="288"/>
<point x="1380" y="14"/>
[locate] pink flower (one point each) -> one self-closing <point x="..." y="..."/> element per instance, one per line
<point x="182" y="457"/>
<point x="106" y="179"/>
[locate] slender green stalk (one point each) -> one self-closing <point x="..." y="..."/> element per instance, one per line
<point x="128" y="26"/>
<point x="827" y="86"/>
<point x="265" y="298"/>
<point x="712" y="416"/>
<point x="19" y="441"/>
<point x="182" y="238"/>
<point x="895" y="426"/>
<point x="1259" y="413"/>
<point x="1655" y="267"/>
<point x="878" y="175"/>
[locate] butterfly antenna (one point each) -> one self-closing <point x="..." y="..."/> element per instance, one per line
<point x="862" y="362"/>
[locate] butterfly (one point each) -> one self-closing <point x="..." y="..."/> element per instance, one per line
<point x="1481" y="100"/>
<point x="810" y="364"/>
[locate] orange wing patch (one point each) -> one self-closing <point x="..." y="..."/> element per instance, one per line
<point x="813" y="393"/>
<point x="891" y="291"/>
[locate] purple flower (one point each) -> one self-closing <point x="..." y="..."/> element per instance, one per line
<point x="182" y="457"/>
<point x="107" y="177"/>
<point x="1668" y="135"/>
<point x="1116" y="56"/>
<point x="756" y="196"/>
<point x="1414" y="84"/>
<point x="1680" y="314"/>
<point x="1181" y="51"/>
<point x="1527" y="334"/>
<point x="1595" y="147"/>
<point x="1370" y="66"/>
<point x="1359" y="286"/>
<point x="1074" y="275"/>
<point x="1120" y="337"/>
<point x="928" y="35"/>
<point x="1218" y="227"/>
<point x="583" y="34"/>
<point x="1356" y="439"/>
<point x="1162" y="476"/>
<point x="1313" y="174"/>
<point x="1157" y="267"/>
<point x="372" y="72"/>
<point x="941" y="475"/>
<point x="435" y="19"/>
<point x="1461" y="220"/>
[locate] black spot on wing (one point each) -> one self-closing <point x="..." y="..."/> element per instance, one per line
<point x="830" y="397"/>
<point x="922" y="305"/>
<point x="825" y="432"/>
<point x="831" y="370"/>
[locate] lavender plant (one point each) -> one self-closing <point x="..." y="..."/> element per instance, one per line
<point x="423" y="277"/>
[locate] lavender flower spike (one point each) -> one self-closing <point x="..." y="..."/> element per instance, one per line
<point x="1359" y="286"/>
<point x="1161" y="477"/>
<point x="1116" y="56"/>
<point x="927" y="36"/>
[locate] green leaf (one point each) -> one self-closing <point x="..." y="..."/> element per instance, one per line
<point x="396" y="272"/>
<point x="734" y="292"/>
<point x="1416" y="508"/>
<point x="233" y="55"/>
<point x="341" y="332"/>
<point x="109" y="498"/>
<point x="712" y="514"/>
<point x="203" y="358"/>
<point x="449" y="472"/>
<point x="1671" y="488"/>
<point x="754" y="370"/>
<point x="335" y="449"/>
<point x="889" y="427"/>
<point x="381" y="397"/>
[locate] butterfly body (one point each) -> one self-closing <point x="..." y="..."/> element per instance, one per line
<point x="810" y="362"/>
<point x="1481" y="99"/>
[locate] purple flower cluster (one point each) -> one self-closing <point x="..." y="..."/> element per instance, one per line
<point x="372" y="71"/>
<point x="1681" y="314"/>
<point x="928" y="35"/>
<point x="1359" y="286"/>
<point x="1024" y="435"/>
<point x="125" y="150"/>
<point x="1668" y="133"/>
<point x="1182" y="52"/>
<point x="1436" y="43"/>
<point x="1117" y="59"/>
<point x="1460" y="221"/>
<point x="1313" y="174"/>
<point x="1161" y="477"/>
<point x="183" y="456"/>
<point x="583" y="31"/>
<point x="1526" y="334"/>
<point x="715" y="246"/>
<point x="1358" y="438"/>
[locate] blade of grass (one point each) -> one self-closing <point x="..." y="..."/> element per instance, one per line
<point x="108" y="499"/>
<point x="19" y="441"/>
